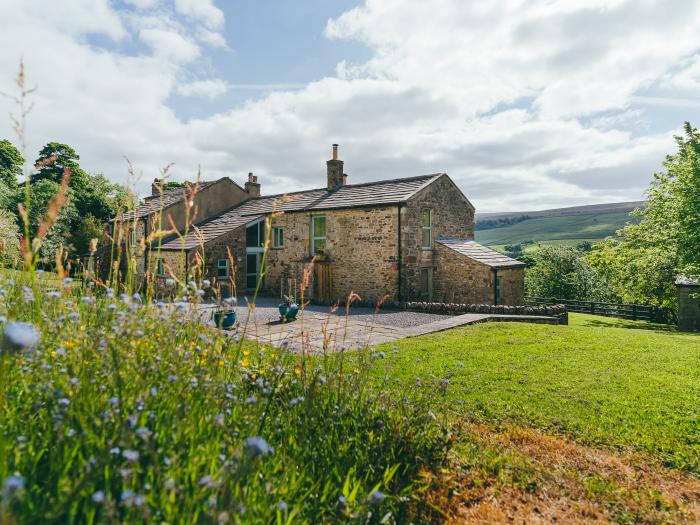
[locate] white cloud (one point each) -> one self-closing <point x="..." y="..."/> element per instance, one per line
<point x="203" y="88"/>
<point x="525" y="104"/>
<point x="170" y="45"/>
<point x="201" y="10"/>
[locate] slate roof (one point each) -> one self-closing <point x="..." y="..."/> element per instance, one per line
<point x="153" y="203"/>
<point x="686" y="281"/>
<point x="379" y="193"/>
<point x="349" y="196"/>
<point x="208" y="230"/>
<point x="480" y="253"/>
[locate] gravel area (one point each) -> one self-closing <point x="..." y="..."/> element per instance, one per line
<point x="266" y="311"/>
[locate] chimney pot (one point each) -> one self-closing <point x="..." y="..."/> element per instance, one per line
<point x="334" y="168"/>
<point x="252" y="187"/>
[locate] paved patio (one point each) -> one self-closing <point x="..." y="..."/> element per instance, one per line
<point x="317" y="328"/>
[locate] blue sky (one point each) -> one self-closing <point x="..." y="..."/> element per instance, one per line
<point x="526" y="104"/>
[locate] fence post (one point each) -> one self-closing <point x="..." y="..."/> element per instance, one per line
<point x="634" y="312"/>
<point x="592" y="307"/>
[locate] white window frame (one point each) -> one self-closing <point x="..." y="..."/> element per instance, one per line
<point x="277" y="243"/>
<point x="219" y="267"/>
<point x="425" y="228"/>
<point x="313" y="237"/>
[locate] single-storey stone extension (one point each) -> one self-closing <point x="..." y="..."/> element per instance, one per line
<point x="410" y="239"/>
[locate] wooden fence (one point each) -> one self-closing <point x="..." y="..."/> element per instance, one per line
<point x="635" y="312"/>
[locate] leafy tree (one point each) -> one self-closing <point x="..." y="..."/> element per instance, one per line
<point x="9" y="239"/>
<point x="90" y="227"/>
<point x="53" y="159"/>
<point x="60" y="233"/>
<point x="11" y="164"/>
<point x="560" y="272"/>
<point x="643" y="264"/>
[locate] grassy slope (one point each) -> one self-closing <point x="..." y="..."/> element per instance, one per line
<point x="602" y="381"/>
<point x="585" y="226"/>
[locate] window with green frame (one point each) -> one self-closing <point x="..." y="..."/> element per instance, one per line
<point x="277" y="237"/>
<point x="427" y="229"/>
<point x="222" y="268"/>
<point x="160" y="267"/>
<point x="318" y="234"/>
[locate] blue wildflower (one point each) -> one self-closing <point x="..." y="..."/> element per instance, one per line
<point x="19" y="336"/>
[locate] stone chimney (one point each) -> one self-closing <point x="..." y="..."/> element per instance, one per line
<point x="336" y="178"/>
<point x="156" y="187"/>
<point x="252" y="187"/>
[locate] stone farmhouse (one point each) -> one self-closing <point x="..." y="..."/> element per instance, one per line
<point x="409" y="238"/>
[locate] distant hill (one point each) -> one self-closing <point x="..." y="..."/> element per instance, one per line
<point x="556" y="226"/>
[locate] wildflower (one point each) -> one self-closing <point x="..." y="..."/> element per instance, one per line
<point x="206" y="283"/>
<point x="153" y="391"/>
<point x="432" y="415"/>
<point x="144" y="433"/>
<point x="88" y="300"/>
<point x="256" y="446"/>
<point x="13" y="484"/>
<point x="53" y="294"/>
<point x="19" y="336"/>
<point x="282" y="506"/>
<point x="70" y="433"/>
<point x="64" y="402"/>
<point x="110" y="292"/>
<point x="131" y="455"/>
<point x="219" y="419"/>
<point x="137" y="297"/>
<point x="98" y="497"/>
<point x="297" y="400"/>
<point x="170" y="282"/>
<point x="67" y="281"/>
<point x="376" y="497"/>
<point x="206" y="481"/>
<point x="115" y="450"/>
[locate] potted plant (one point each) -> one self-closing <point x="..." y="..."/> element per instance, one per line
<point x="225" y="315"/>
<point x="288" y="309"/>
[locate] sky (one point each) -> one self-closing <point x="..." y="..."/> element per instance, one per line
<point x="526" y="104"/>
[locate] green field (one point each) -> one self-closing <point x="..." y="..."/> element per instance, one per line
<point x="604" y="381"/>
<point x="592" y="227"/>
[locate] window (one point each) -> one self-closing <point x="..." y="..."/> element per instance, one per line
<point x="160" y="267"/>
<point x="255" y="235"/>
<point x="277" y="237"/>
<point x="318" y="234"/>
<point x="222" y="268"/>
<point x="426" y="284"/>
<point x="427" y="229"/>
<point x="497" y="291"/>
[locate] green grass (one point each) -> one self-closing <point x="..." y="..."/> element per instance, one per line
<point x="593" y="226"/>
<point x="128" y="412"/>
<point x="602" y="381"/>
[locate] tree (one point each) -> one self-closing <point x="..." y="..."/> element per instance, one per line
<point x="642" y="265"/>
<point x="89" y="228"/>
<point x="61" y="232"/>
<point x="560" y="272"/>
<point x="9" y="239"/>
<point x="53" y="159"/>
<point x="11" y="164"/>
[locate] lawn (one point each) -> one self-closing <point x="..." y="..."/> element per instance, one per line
<point x="601" y="381"/>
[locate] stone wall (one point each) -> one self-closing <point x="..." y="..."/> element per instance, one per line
<point x="208" y="201"/>
<point x="361" y="247"/>
<point x="452" y="216"/>
<point x="458" y="278"/>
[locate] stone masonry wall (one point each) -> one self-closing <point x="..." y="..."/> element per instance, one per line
<point x="452" y="216"/>
<point x="361" y="246"/>
<point x="459" y="279"/>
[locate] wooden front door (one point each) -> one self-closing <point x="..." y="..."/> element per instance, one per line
<point x="323" y="282"/>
